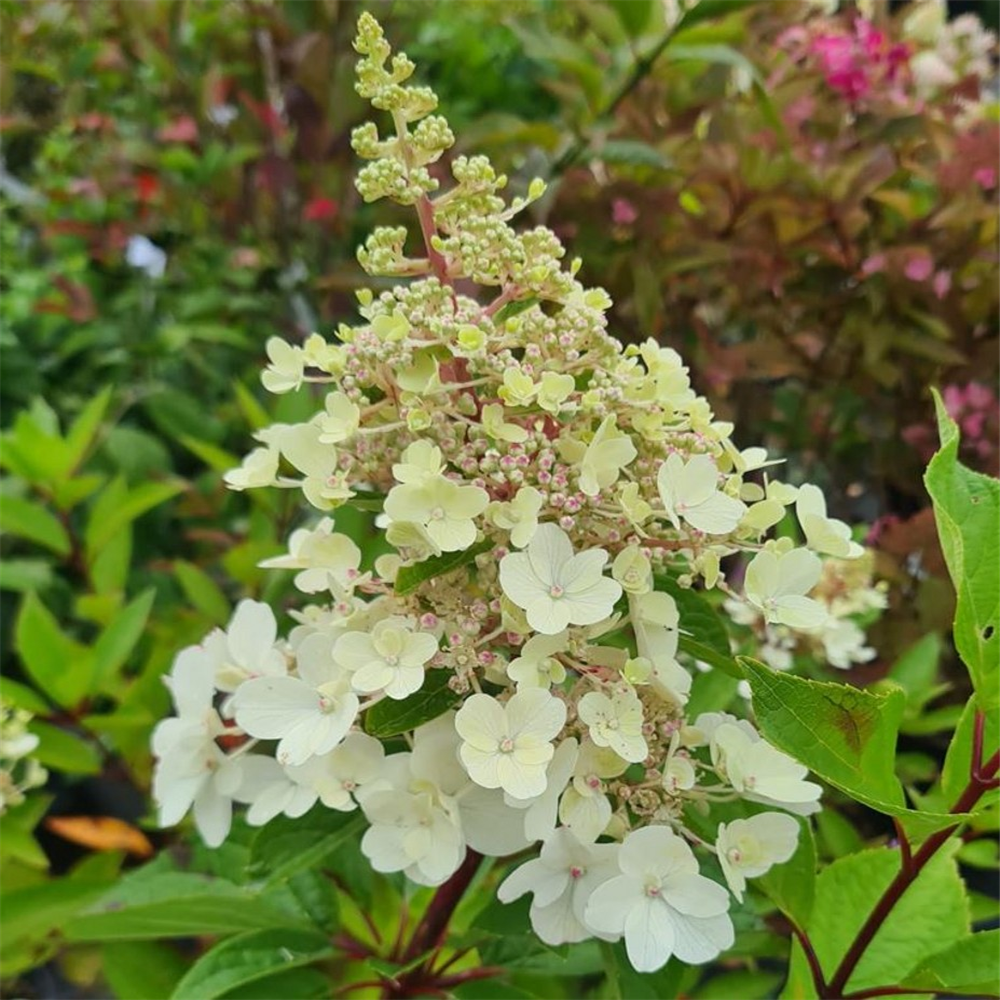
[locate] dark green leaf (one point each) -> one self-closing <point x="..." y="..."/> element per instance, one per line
<point x="250" y="957"/>
<point x="410" y="577"/>
<point x="142" y="970"/>
<point x="286" y="846"/>
<point x="389" y="717"/>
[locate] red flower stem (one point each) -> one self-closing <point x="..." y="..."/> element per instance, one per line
<point x="982" y="777"/>
<point x="434" y="923"/>
<point x="428" y="229"/>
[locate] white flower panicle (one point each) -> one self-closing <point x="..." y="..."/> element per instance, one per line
<point x="539" y="488"/>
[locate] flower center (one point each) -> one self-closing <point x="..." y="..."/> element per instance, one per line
<point x="437" y="514"/>
<point x="653" y="887"/>
<point x="555" y="591"/>
<point x="576" y="871"/>
<point x="326" y="704"/>
<point x="506" y="745"/>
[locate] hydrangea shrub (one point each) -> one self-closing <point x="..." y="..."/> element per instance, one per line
<point x="512" y="675"/>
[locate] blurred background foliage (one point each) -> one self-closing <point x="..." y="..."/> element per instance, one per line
<point x="176" y="186"/>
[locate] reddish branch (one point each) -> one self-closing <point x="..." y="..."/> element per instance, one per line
<point x="425" y="213"/>
<point x="982" y="778"/>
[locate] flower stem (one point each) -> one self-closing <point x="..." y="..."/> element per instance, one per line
<point x="982" y="777"/>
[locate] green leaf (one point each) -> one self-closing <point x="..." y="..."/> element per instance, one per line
<point x="932" y="914"/>
<point x="410" y="577"/>
<point x="792" y="885"/>
<point x="843" y="734"/>
<point x="286" y="846"/>
<point x="627" y="984"/>
<point x="109" y="569"/>
<point x="81" y="434"/>
<point x="957" y="768"/>
<point x="142" y="970"/>
<point x="390" y="717"/>
<point x="107" y="518"/>
<point x="64" y="751"/>
<point x="708" y="10"/>
<point x="32" y="521"/>
<point x="203" y="592"/>
<point x="967" y="510"/>
<point x="703" y="635"/>
<point x="174" y="904"/>
<point x="250" y="957"/>
<point x="22" y="696"/>
<point x="256" y="415"/>
<point x="968" y="966"/>
<point x="31" y="919"/>
<point x="117" y="641"/>
<point x="744" y="983"/>
<point x="22" y="575"/>
<point x="635" y="15"/>
<point x="295" y="984"/>
<point x="211" y="454"/>
<point x="56" y="663"/>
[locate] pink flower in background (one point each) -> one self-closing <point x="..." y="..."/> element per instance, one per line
<point x="976" y="409"/>
<point x="919" y="267"/>
<point x="941" y="283"/>
<point x="861" y="63"/>
<point x="623" y="212"/>
<point x="986" y="178"/>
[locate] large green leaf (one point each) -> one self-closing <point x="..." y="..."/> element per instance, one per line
<point x="967" y="509"/>
<point x="57" y="664"/>
<point x="410" y="577"/>
<point x="32" y="521"/>
<point x="932" y="914"/>
<point x="390" y="717"/>
<point x="250" y="957"/>
<point x="286" y="846"/>
<point x="843" y="734"/>
<point x="968" y="966"/>
<point x="174" y="904"/>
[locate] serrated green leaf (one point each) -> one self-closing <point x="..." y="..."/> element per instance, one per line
<point x="116" y="642"/>
<point x="843" y="734"/>
<point x="57" y="664"/>
<point x="932" y="914"/>
<point x="389" y="717"/>
<point x="967" y="510"/>
<point x="250" y="957"/>
<point x="410" y="577"/>
<point x="32" y="521"/>
<point x="286" y="846"/>
<point x="969" y="966"/>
